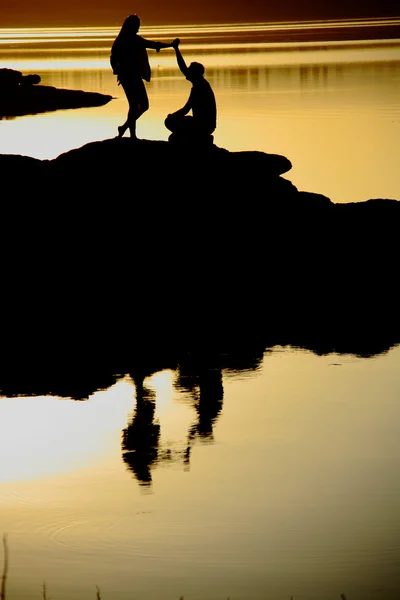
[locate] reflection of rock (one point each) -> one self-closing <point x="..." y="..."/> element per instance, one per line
<point x="19" y="95"/>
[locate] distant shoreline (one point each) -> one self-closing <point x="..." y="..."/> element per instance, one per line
<point x="268" y="32"/>
<point x="21" y="44"/>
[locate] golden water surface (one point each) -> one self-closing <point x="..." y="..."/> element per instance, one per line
<point x="288" y="484"/>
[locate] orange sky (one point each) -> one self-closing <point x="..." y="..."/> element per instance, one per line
<point x="24" y="13"/>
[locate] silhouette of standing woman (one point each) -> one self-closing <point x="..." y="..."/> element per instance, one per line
<point x="129" y="61"/>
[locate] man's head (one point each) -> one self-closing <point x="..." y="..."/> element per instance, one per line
<point x="195" y="71"/>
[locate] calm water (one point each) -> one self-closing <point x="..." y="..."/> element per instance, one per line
<point x="293" y="488"/>
<point x="276" y="476"/>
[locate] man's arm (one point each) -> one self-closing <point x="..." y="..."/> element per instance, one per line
<point x="179" y="57"/>
<point x="182" y="111"/>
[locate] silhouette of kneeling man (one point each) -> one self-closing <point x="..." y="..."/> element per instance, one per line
<point x="201" y="102"/>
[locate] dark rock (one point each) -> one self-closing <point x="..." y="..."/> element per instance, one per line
<point x="19" y="95"/>
<point x="12" y="78"/>
<point x="22" y="169"/>
<point x="198" y="171"/>
<point x="190" y="139"/>
<point x="127" y="249"/>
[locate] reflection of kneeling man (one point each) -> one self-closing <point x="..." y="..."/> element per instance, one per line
<point x="201" y="102"/>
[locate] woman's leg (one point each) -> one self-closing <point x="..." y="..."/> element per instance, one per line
<point x="122" y="129"/>
<point x="138" y="104"/>
<point x="125" y="86"/>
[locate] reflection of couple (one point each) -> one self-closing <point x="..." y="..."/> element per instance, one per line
<point x="130" y="63"/>
<point x="141" y="438"/>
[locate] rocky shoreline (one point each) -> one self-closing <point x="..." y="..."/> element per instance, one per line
<point x="148" y="250"/>
<point x="21" y="95"/>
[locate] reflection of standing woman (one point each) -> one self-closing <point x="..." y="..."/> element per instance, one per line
<point x="129" y="61"/>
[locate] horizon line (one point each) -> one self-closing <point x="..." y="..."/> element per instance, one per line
<point x="267" y="25"/>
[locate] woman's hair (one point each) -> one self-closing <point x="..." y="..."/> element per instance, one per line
<point x="130" y="25"/>
<point x="129" y="29"/>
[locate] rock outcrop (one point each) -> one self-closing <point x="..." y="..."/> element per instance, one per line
<point x="20" y="95"/>
<point x="123" y="250"/>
